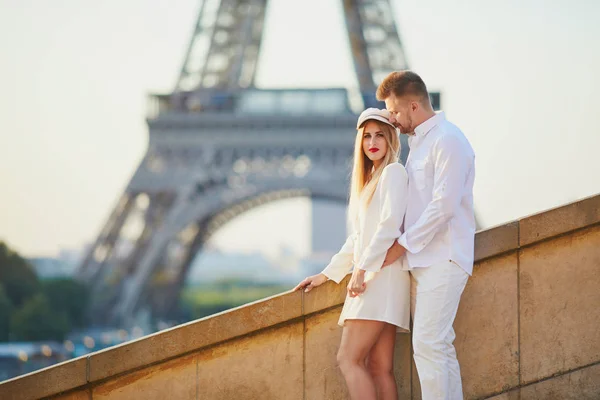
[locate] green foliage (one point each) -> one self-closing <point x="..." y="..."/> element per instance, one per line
<point x="207" y="299"/>
<point x="36" y="320"/>
<point x="18" y="277"/>
<point x="6" y="309"/>
<point x="31" y="310"/>
<point x="69" y="296"/>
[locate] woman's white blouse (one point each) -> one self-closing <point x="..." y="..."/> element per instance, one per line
<point x="379" y="225"/>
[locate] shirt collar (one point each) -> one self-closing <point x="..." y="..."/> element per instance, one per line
<point x="428" y="125"/>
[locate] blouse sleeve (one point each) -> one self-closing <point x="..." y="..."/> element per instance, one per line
<point x="342" y="262"/>
<point x="394" y="191"/>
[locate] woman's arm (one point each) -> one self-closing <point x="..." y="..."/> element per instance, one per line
<point x="338" y="267"/>
<point x="341" y="263"/>
<point x="394" y="190"/>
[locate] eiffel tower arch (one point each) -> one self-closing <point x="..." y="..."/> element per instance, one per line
<point x="219" y="146"/>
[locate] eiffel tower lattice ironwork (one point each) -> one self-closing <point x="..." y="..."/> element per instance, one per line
<point x="207" y="161"/>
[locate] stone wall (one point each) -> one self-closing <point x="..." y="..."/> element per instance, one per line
<point x="527" y="328"/>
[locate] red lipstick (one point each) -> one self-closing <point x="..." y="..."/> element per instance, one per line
<point x="374" y="150"/>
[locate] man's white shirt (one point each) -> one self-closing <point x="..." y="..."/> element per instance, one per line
<point x="439" y="224"/>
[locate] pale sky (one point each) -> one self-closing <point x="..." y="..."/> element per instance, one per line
<point x="520" y="77"/>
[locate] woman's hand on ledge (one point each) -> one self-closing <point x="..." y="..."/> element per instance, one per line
<point x="311" y="282"/>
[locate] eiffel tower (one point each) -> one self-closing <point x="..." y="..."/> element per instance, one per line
<point x="207" y="162"/>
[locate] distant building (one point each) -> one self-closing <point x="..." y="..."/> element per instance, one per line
<point x="62" y="266"/>
<point x="51" y="268"/>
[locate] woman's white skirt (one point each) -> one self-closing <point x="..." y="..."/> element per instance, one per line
<point x="386" y="298"/>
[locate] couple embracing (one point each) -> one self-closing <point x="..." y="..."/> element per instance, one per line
<point x="411" y="246"/>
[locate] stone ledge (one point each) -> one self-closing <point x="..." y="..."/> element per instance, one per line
<point x="496" y="240"/>
<point x="330" y="294"/>
<point x="195" y="335"/>
<point x="46" y="382"/>
<point x="559" y="220"/>
<point x="537" y="227"/>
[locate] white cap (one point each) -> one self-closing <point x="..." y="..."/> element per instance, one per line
<point x="374" y="113"/>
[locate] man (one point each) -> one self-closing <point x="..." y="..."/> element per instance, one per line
<point x="439" y="228"/>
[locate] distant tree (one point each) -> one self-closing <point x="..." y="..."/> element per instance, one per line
<point x="70" y="296"/>
<point x="18" y="277"/>
<point x="36" y="320"/>
<point x="5" y="312"/>
<point x="34" y="310"/>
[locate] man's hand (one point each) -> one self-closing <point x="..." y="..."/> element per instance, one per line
<point x="312" y="281"/>
<point x="394" y="253"/>
<point x="357" y="283"/>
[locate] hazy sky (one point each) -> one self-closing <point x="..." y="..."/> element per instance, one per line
<point x="520" y="77"/>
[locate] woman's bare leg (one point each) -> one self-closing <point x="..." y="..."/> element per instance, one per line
<point x="358" y="337"/>
<point x="380" y="364"/>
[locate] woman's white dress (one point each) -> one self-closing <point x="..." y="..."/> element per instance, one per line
<point x="387" y="294"/>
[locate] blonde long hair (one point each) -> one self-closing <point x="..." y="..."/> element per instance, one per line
<point x="364" y="176"/>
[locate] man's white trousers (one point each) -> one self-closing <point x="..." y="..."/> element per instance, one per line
<point x="435" y="294"/>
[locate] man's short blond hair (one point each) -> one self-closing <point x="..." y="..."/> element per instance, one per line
<point x="402" y="83"/>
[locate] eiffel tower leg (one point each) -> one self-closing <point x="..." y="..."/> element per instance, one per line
<point x="150" y="257"/>
<point x="171" y="294"/>
<point x="99" y="252"/>
<point x="143" y="217"/>
<point x="224" y="49"/>
<point x="374" y="42"/>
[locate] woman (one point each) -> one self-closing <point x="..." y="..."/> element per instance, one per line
<point x="377" y="303"/>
